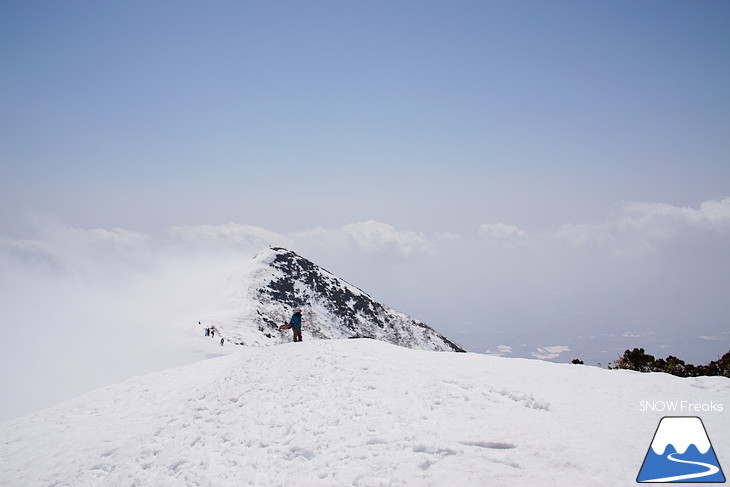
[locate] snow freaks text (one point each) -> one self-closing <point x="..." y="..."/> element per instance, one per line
<point x="681" y="407"/>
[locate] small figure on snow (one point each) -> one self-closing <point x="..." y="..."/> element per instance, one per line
<point x="222" y="340"/>
<point x="296" y="324"/>
<point x="212" y="332"/>
<point x="207" y="332"/>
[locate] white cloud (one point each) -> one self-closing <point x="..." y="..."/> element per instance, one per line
<point x="374" y="237"/>
<point x="642" y="227"/>
<point x="117" y="237"/>
<point x="62" y="248"/>
<point x="658" y="221"/>
<point x="717" y="211"/>
<point x="546" y="353"/>
<point x="133" y="280"/>
<point x="25" y="248"/>
<point x="230" y="234"/>
<point x="502" y="234"/>
<point x="370" y="237"/>
<point x="500" y="351"/>
<point x="713" y="338"/>
<point x="666" y="219"/>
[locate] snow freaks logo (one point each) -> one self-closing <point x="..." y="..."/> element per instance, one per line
<point x="680" y="452"/>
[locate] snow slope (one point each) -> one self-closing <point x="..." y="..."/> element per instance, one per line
<point x="354" y="412"/>
<point x="263" y="295"/>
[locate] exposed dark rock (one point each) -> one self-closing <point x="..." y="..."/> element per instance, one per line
<point x="333" y="307"/>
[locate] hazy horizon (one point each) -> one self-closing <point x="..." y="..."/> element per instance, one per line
<point x="547" y="180"/>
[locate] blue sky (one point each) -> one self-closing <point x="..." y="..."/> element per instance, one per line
<point x="514" y="173"/>
<point x="562" y="106"/>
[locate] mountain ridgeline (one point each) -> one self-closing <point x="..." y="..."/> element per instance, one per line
<point x="279" y="281"/>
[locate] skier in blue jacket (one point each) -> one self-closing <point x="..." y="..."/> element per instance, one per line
<point x="296" y="324"/>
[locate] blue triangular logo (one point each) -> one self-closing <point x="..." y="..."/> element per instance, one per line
<point x="681" y="452"/>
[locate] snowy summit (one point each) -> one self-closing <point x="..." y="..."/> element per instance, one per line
<point x="278" y="281"/>
<point x="331" y="411"/>
<point x="351" y="413"/>
<point x="680" y="432"/>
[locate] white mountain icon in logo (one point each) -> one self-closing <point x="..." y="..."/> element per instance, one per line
<point x="680" y="452"/>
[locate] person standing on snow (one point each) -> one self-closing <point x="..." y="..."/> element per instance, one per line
<point x="296" y="324"/>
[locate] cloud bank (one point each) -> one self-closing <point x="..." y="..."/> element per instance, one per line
<point x="645" y="227"/>
<point x="86" y="307"/>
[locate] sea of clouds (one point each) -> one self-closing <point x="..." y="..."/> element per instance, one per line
<point x="84" y="307"/>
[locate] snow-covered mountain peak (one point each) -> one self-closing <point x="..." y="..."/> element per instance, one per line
<point x="681" y="432"/>
<point x="277" y="281"/>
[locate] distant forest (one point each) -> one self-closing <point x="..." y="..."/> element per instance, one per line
<point x="641" y="361"/>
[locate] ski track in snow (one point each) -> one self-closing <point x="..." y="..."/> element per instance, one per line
<point x="345" y="412"/>
<point x="711" y="470"/>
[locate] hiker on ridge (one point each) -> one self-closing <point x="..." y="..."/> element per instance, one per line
<point x="296" y="324"/>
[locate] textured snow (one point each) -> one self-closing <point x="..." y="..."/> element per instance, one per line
<point x="353" y="412"/>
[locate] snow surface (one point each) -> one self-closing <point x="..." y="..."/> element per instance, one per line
<point x="354" y="412"/>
